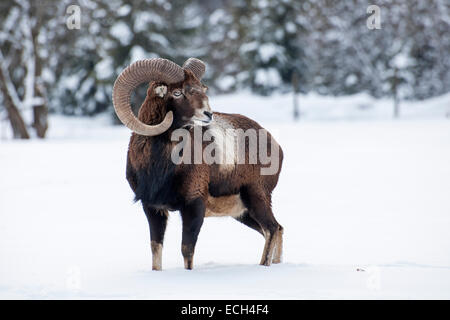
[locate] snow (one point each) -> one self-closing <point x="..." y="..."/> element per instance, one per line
<point x="124" y="10"/>
<point x="267" y="51"/>
<point x="122" y="33"/>
<point x="159" y="39"/>
<point x="146" y="17"/>
<point x="104" y="69"/>
<point x="217" y="16"/>
<point x="278" y="107"/>
<point x="268" y="77"/>
<point x="357" y="191"/>
<point x="226" y="82"/>
<point x="137" y="53"/>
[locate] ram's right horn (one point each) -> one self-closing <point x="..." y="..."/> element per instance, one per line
<point x="156" y="69"/>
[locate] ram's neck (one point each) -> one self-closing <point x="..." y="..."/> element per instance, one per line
<point x="143" y="149"/>
<point x="151" y="169"/>
<point x="152" y="111"/>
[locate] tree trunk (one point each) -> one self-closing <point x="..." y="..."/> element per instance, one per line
<point x="396" y="107"/>
<point x="17" y="124"/>
<point x="40" y="123"/>
<point x="40" y="113"/>
<point x="294" y="81"/>
<point x="395" y="81"/>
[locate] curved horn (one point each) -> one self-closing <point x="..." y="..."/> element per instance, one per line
<point x="146" y="70"/>
<point x="196" y="66"/>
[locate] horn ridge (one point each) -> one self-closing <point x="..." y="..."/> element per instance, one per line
<point x="155" y="69"/>
<point x="196" y="66"/>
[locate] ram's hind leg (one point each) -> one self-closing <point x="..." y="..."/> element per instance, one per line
<point x="157" y="220"/>
<point x="259" y="208"/>
<point x="278" y="253"/>
<point x="272" y="235"/>
<point x="246" y="219"/>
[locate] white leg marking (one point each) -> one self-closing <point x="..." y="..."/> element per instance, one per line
<point x="156" y="255"/>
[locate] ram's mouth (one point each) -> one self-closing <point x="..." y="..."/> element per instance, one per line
<point x="197" y="123"/>
<point x="200" y="122"/>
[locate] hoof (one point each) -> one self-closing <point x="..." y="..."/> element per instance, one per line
<point x="265" y="263"/>
<point x="188" y="263"/>
<point x="276" y="261"/>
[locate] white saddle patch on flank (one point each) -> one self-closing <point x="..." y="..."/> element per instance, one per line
<point x="225" y="141"/>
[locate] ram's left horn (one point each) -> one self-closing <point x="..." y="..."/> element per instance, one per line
<point x="196" y="66"/>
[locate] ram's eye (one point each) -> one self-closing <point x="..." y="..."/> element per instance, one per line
<point x="177" y="93"/>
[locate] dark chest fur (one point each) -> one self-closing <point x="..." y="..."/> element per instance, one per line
<point x="151" y="172"/>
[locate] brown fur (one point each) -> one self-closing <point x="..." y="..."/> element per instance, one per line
<point x="200" y="190"/>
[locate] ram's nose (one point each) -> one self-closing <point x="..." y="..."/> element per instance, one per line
<point x="208" y="114"/>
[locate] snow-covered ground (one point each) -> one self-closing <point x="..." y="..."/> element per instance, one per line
<point x="358" y="191"/>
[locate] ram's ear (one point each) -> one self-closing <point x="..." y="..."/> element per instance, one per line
<point x="161" y="90"/>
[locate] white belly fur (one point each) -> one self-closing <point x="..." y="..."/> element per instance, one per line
<point x="225" y="206"/>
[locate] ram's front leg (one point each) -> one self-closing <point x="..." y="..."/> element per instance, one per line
<point x="157" y="220"/>
<point x="192" y="214"/>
